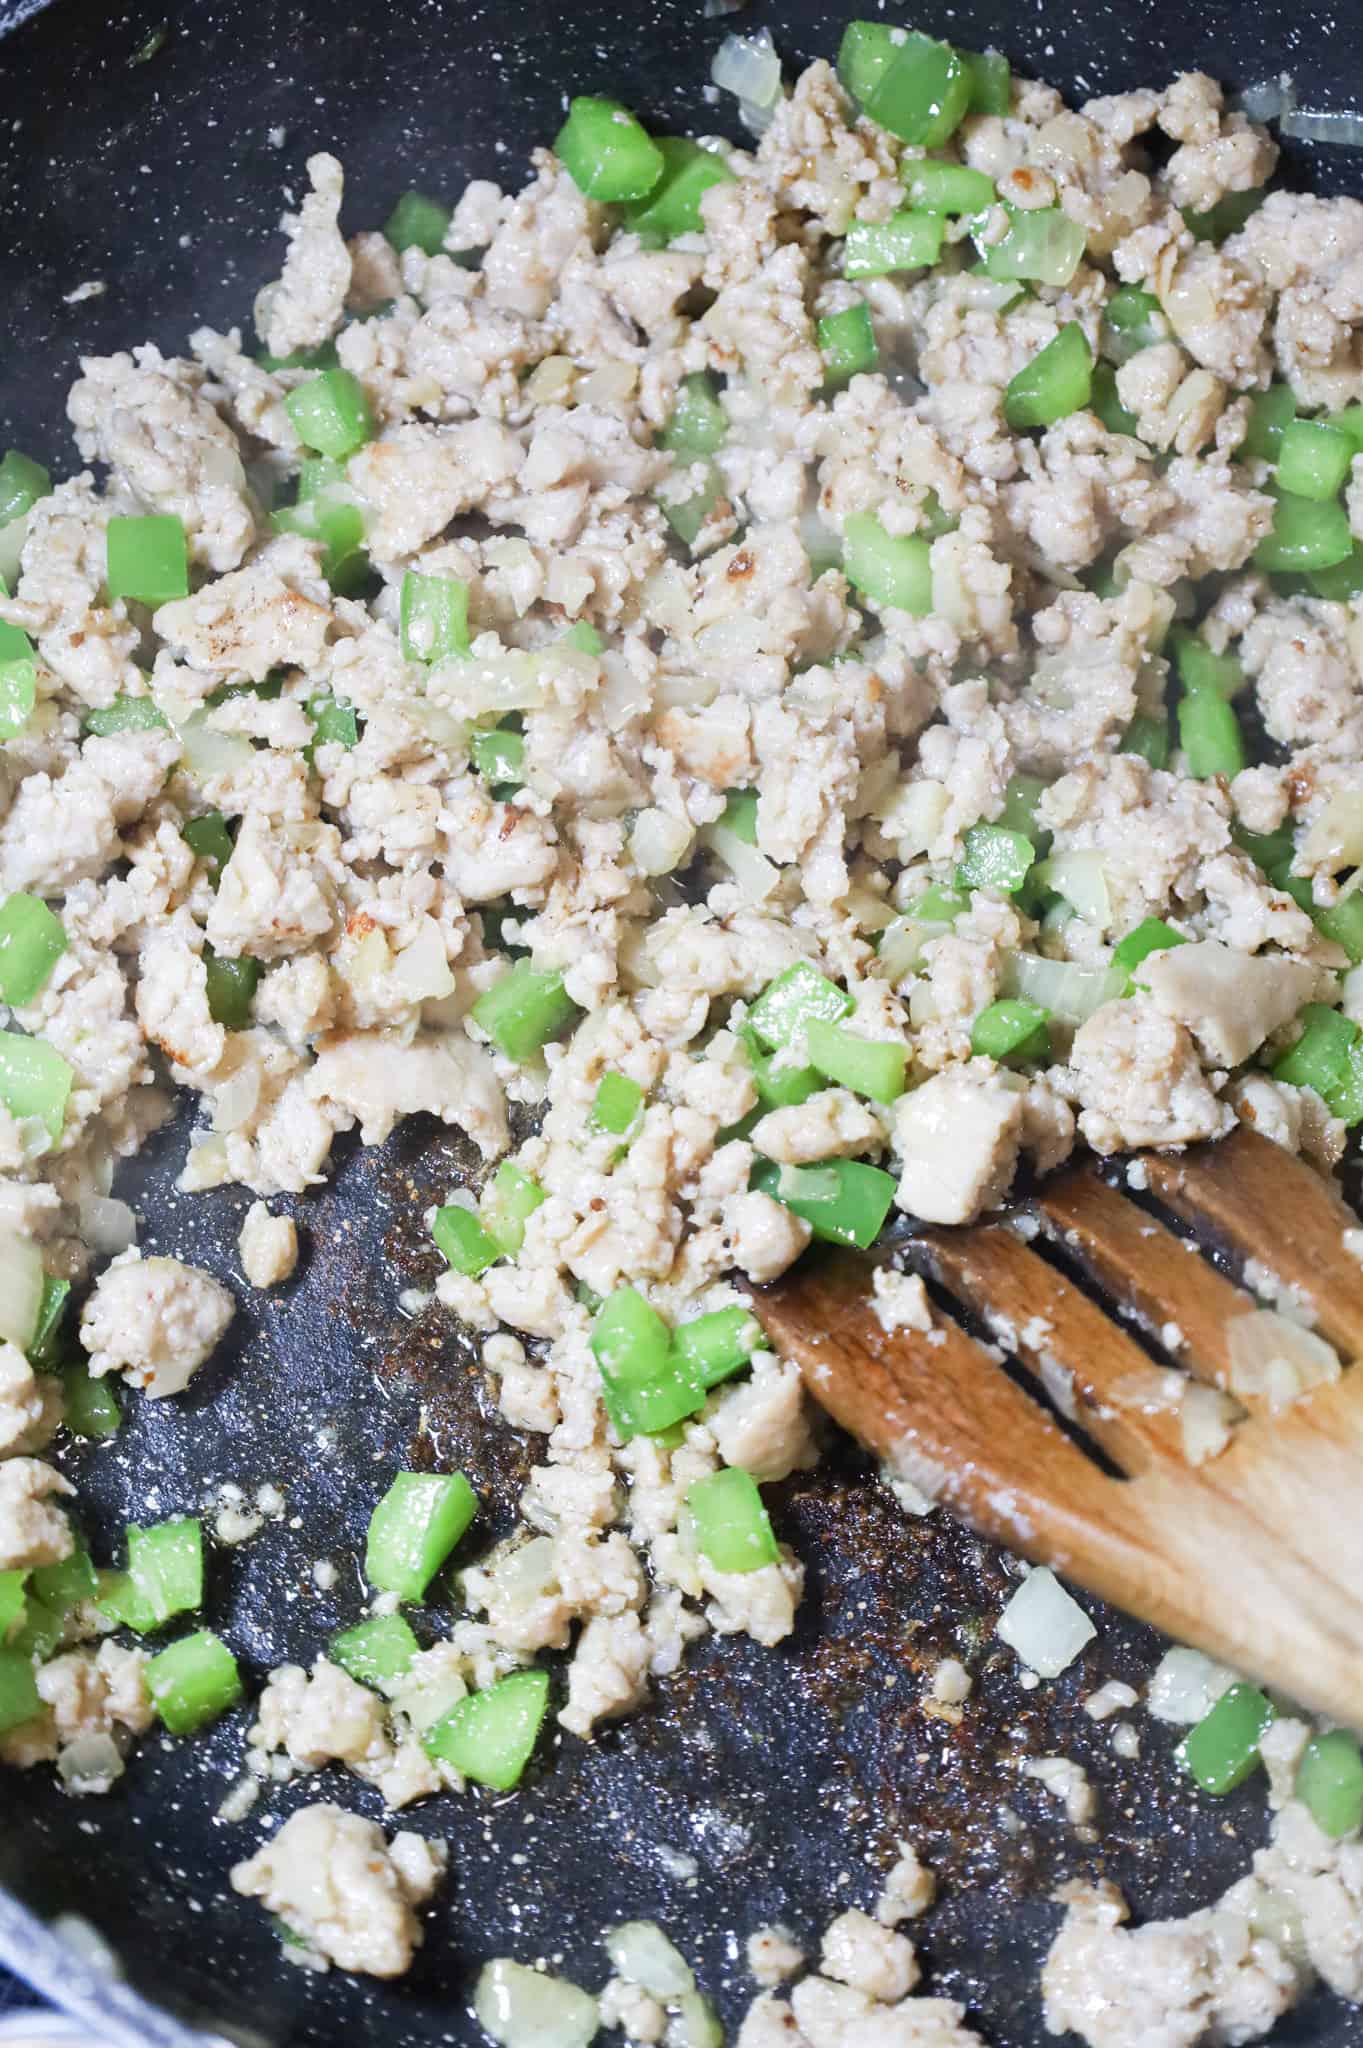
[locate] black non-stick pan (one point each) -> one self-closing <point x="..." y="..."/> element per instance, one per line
<point x="146" y="151"/>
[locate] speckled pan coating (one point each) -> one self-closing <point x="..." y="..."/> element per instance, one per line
<point x="777" y="1771"/>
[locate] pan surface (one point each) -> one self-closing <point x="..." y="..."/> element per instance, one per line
<point x="764" y="1784"/>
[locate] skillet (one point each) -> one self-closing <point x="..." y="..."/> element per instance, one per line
<point x="764" y="1784"/>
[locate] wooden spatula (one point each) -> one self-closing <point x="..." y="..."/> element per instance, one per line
<point x="1256" y="1555"/>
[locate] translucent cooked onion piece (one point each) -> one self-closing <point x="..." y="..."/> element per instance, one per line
<point x="642" y="1954"/>
<point x="1275" y="1360"/>
<point x="1071" y="993"/>
<point x="749" y="68"/>
<point x="523" y="2008"/>
<point x="21" y="1288"/>
<point x="1045" y="1626"/>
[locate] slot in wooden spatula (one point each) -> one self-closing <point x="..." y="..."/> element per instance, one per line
<point x="1256" y="1554"/>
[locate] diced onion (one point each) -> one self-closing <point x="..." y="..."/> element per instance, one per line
<point x="524" y="1575"/>
<point x="477" y="684"/>
<point x="21" y="1288"/>
<point x="208" y="753"/>
<point x="754" y="874"/>
<point x="737" y="638"/>
<point x="551" y="380"/>
<point x="421" y="970"/>
<point x="370" y="959"/>
<point x="658" y="842"/>
<point x="1267" y="98"/>
<point x="609" y="384"/>
<point x="1080" y="879"/>
<point x="913" y="816"/>
<point x="1206" y="1416"/>
<point x="107" y="1225"/>
<point x="1045" y="1626"/>
<point x="624" y="694"/>
<point x="905" y="941"/>
<point x="236" y="1099"/>
<point x="523" y="2008"/>
<point x="755" y="119"/>
<point x="1335" y="838"/>
<point x="695" y="2023"/>
<point x="92" y="1763"/>
<point x="1276" y="1359"/>
<point x="1185" y="1686"/>
<point x="749" y="68"/>
<point x="642" y="1954"/>
<point x="1342" y="127"/>
<point x="13" y="534"/>
<point x="1071" y="993"/>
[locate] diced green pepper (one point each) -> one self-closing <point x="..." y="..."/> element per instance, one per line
<point x="1269" y="413"/>
<point x="788" y="1005"/>
<point x="334" y="722"/>
<point x="376" y="1651"/>
<point x="1055" y="383"/>
<point x="34" y="1081"/>
<point x="433" y="617"/>
<point x="90" y="1407"/>
<point x="22" y="483"/>
<point x="509" y="1200"/>
<point x="714" y="1347"/>
<point x="606" y="152"/>
<point x="923" y="93"/>
<point x="231" y="989"/>
<point x="732" y="1527"/>
<point x="44" y="1349"/>
<point x="906" y="241"/>
<point x="892" y="570"/>
<point x="417" y="222"/>
<point x="946" y="188"/>
<point x="18" y="695"/>
<point x="337" y="525"/>
<point x="994" y="858"/>
<point x="414" y="1528"/>
<point x="847" y="344"/>
<point x="646" y="1385"/>
<point x="991" y="81"/>
<point x="499" y="756"/>
<point x="125" y="714"/>
<point x="1132" y="319"/>
<point x="584" y="637"/>
<point x="524" y="1010"/>
<point x="121" y="1600"/>
<point x="1152" y="935"/>
<point x="491" y="1735"/>
<point x="146" y="558"/>
<point x="1313" y="459"/>
<point x="1342" y="580"/>
<point x="1200" y="669"/>
<point x="779" y="1087"/>
<point x="1330" y="1782"/>
<point x="1226" y="217"/>
<point x="210" y="840"/>
<point x="463" y="1240"/>
<point x="617" y="1103"/>
<point x="1210" y="736"/>
<point x="866" y="52"/>
<point x="32" y="941"/>
<point x="672" y="207"/>
<point x="1042" y="246"/>
<point x="331" y="413"/>
<point x="1148" y="737"/>
<point x="19" y="1701"/>
<point x="1307" y="534"/>
<point x="699" y="424"/>
<point x="11" y="1603"/>
<point x="1103" y="401"/>
<point x="1223" y="1749"/>
<point x="166" y="1565"/>
<point x="844" y="1201"/>
<point x="1324" y="1057"/>
<point x="1019" y="814"/>
<point x="193" y="1682"/>
<point x="1342" y="922"/>
<point x="740" y="815"/>
<point x="1012" y="1028"/>
<point x="67" y="1584"/>
<point x="868" y="1066"/>
<point x="686" y="516"/>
